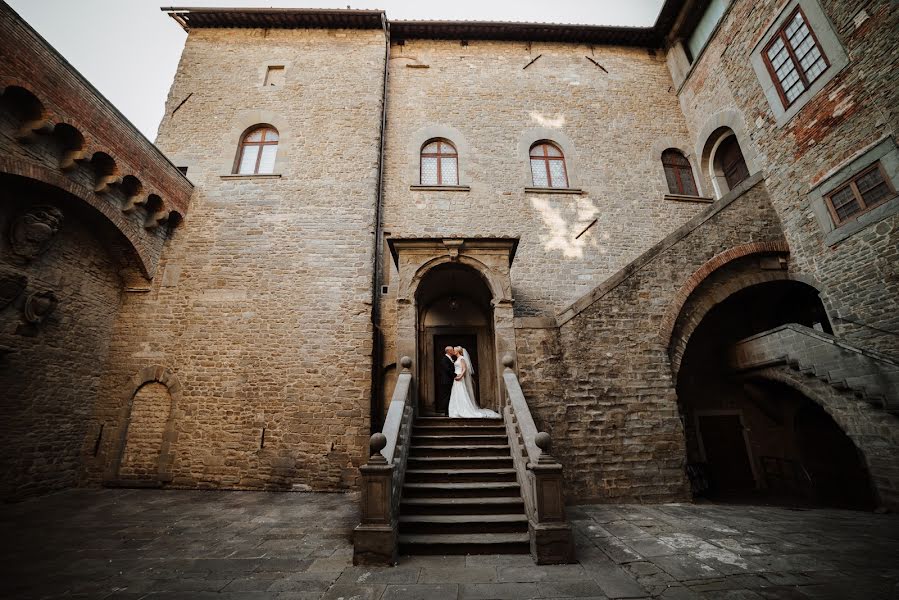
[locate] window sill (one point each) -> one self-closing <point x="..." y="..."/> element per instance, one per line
<point x="686" y="198"/>
<point x="440" y="188"/>
<point x="252" y="176"/>
<point x="875" y="215"/>
<point x="546" y="190"/>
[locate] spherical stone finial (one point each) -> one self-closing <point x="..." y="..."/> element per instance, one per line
<point x="508" y="361"/>
<point x="377" y="443"/>
<point x="544" y="442"/>
<point x="406" y="362"/>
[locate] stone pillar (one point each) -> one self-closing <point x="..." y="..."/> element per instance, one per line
<point x="551" y="540"/>
<point x="375" y="538"/>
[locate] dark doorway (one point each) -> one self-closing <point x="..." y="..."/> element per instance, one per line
<point x="724" y="443"/>
<point x="469" y="342"/>
<point x="732" y="162"/>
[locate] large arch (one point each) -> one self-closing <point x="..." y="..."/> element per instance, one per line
<point x="150" y="374"/>
<point x="454" y="305"/>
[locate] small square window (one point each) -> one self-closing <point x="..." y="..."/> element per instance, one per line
<point x="861" y="193"/>
<point x="274" y="76"/>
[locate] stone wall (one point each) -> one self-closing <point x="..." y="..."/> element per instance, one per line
<point x="262" y="306"/>
<point x="146" y="426"/>
<point x="50" y="366"/>
<point x="617" y="431"/>
<point x="858" y="277"/>
<point x="479" y="96"/>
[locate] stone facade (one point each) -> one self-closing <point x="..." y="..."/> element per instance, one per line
<point x="254" y="344"/>
<point x="263" y="305"/>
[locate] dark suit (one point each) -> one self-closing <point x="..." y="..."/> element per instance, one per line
<point x="446" y="375"/>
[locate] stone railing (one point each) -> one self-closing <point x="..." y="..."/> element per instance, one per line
<point x="869" y="375"/>
<point x="375" y="538"/>
<point x="539" y="475"/>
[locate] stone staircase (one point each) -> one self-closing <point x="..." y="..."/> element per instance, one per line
<point x="461" y="494"/>
<point x="867" y="375"/>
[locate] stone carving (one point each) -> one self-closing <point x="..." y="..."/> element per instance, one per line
<point x="11" y="285"/>
<point x="39" y="306"/>
<point x="33" y="231"/>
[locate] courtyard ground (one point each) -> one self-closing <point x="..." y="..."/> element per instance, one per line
<point x="247" y="545"/>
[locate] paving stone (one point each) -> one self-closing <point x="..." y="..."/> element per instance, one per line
<point x="540" y="573"/>
<point x="683" y="567"/>
<point x="444" y="591"/>
<point x="456" y="575"/>
<point x="354" y="592"/>
<point x="569" y="589"/>
<point x="497" y="591"/>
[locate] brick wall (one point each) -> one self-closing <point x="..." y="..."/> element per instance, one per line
<point x="857" y="277"/>
<point x="262" y="306"/>
<point x="50" y="375"/>
<point x="618" y="432"/>
<point x="149" y="413"/>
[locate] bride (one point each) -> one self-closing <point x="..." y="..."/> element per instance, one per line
<point x="462" y="404"/>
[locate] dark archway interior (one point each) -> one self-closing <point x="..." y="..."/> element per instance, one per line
<point x="760" y="441"/>
<point x="454" y="309"/>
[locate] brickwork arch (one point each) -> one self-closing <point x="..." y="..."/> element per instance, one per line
<point x="677" y="326"/>
<point x="141" y="254"/>
<point x="151" y="374"/>
<point x="874" y="432"/>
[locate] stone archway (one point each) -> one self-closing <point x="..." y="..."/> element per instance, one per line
<point x="454" y="308"/>
<point x="149" y="384"/>
<point x="483" y="292"/>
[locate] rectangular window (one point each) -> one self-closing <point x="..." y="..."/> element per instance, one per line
<point x="274" y="76"/>
<point x="859" y="195"/>
<point x="794" y="58"/>
<point x="704" y="28"/>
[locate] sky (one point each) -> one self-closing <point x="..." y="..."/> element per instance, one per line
<point x="129" y="49"/>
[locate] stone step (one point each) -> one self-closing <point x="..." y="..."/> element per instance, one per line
<point x="472" y="543"/>
<point x="459" y="475"/>
<point x="455" y="440"/>
<point x="444" y="421"/>
<point x="462" y="524"/>
<point x="471" y="489"/>
<point x="462" y="506"/>
<point x="441" y="430"/>
<point x="459" y="450"/>
<point x="460" y="462"/>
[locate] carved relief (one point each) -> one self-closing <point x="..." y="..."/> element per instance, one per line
<point x="33" y="231"/>
<point x="11" y="285"/>
<point x="39" y="306"/>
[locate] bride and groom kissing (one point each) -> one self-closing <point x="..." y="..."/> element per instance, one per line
<point x="456" y="389"/>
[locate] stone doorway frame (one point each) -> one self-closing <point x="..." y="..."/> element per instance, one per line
<point x="491" y="258"/>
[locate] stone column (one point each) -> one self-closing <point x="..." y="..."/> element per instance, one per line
<point x="375" y="538"/>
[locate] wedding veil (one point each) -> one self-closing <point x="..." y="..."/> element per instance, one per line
<point x="469" y="382"/>
<point x="468" y="361"/>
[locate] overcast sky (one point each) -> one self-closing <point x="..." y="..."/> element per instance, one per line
<point x="129" y="49"/>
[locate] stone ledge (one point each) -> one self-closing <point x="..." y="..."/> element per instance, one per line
<point x="252" y="176"/>
<point x="666" y="243"/>
<point x="440" y="188"/>
<point x="686" y="198"/>
<point x="546" y="190"/>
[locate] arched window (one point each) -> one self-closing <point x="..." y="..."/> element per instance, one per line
<point x="678" y="173"/>
<point x="439" y="163"/>
<point x="548" y="166"/>
<point x="257" y="151"/>
<point x="729" y="159"/>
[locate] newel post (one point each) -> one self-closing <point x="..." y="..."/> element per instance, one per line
<point x="374" y="541"/>
<point x="551" y="540"/>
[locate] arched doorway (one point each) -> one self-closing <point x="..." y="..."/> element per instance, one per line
<point x="761" y="441"/>
<point x="454" y="308"/>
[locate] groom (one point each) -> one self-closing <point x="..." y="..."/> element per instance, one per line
<point x="446" y="374"/>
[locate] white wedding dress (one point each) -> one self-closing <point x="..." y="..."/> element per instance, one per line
<point x="461" y="403"/>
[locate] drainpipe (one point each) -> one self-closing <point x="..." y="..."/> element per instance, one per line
<point x="376" y="357"/>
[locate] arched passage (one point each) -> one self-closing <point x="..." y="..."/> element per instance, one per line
<point x="760" y="440"/>
<point x="454" y="307"/>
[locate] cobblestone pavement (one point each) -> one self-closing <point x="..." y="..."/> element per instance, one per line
<point x="248" y="545"/>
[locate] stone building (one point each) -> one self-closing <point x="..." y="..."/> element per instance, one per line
<point x="680" y="239"/>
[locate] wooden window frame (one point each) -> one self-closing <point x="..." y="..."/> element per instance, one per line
<point x="546" y="158"/>
<point x="677" y="172"/>
<point x="781" y="35"/>
<point x="857" y="195"/>
<point x="439" y="156"/>
<point x="244" y="142"/>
